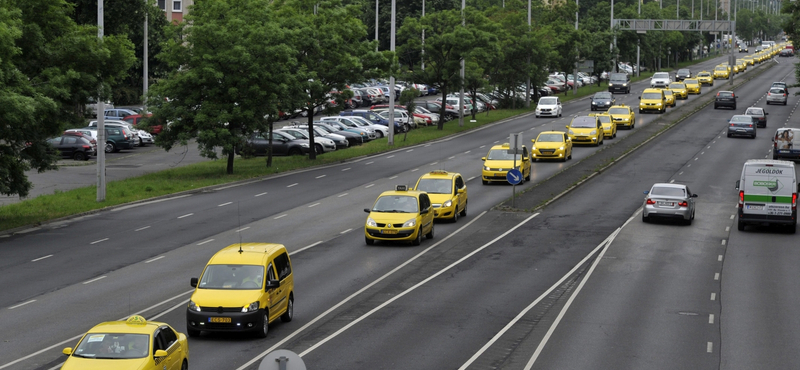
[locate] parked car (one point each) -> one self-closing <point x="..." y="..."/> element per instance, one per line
<point x="282" y="144"/>
<point x="129" y="128"/>
<point x="352" y="137"/>
<point x="119" y="113"/>
<point x="372" y="117"/>
<point x="142" y="122"/>
<point x="436" y="107"/>
<point x="339" y="140"/>
<point x="117" y="138"/>
<point x="372" y="133"/>
<point x="323" y="144"/>
<point x="74" y="146"/>
<point x="380" y="130"/>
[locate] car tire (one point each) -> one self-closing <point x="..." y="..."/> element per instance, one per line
<point x="455" y="215"/>
<point x="289" y="314"/>
<point x="418" y="240"/>
<point x="430" y="234"/>
<point x="80" y="156"/>
<point x="784" y="103"/>
<point x="729" y="135"/>
<point x="185" y="365"/>
<point x="141" y="142"/>
<point x="740" y="225"/>
<point x="110" y="147"/>
<point x="537" y="116"/>
<point x="295" y="151"/>
<point x="192" y="332"/>
<point x="369" y="241"/>
<point x="688" y="222"/>
<point x="319" y="149"/>
<point x="264" y="326"/>
<point x="464" y="211"/>
<point x="528" y="178"/>
<point x="792" y="228"/>
<point x="380" y="134"/>
<point x="715" y="106"/>
<point x="645" y="219"/>
<point x="570" y="155"/>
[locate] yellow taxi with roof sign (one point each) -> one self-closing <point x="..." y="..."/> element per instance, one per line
<point x="135" y="344"/>
<point x="669" y="98"/>
<point x="692" y="86"/>
<point x="400" y="215"/>
<point x="623" y="116"/>
<point x="499" y="161"/>
<point x="552" y="145"/>
<point x="653" y="99"/>
<point x="447" y="192"/>
<point x="705" y="78"/>
<point x="586" y="130"/>
<point x="722" y="71"/>
<point x="609" y="127"/>
<point x="679" y="89"/>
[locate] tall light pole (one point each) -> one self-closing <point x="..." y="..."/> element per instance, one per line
<point x="145" y="61"/>
<point x="101" y="126"/>
<point x="463" y="68"/>
<point x="376" y="26"/>
<point x="616" y="62"/>
<point x="391" y="82"/>
<point x="575" y="72"/>
<point x="528" y="83"/>
<point x="423" y="37"/>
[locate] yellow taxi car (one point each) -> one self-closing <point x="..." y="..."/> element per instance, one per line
<point x="735" y="68"/>
<point x="400" y="215"/>
<point x="652" y="100"/>
<point x="498" y="162"/>
<point x="243" y="288"/>
<point x="135" y="344"/>
<point x="749" y="60"/>
<point x="692" y="86"/>
<point x="447" y="191"/>
<point x="552" y="145"/>
<point x="623" y="116"/>
<point x="679" y="90"/>
<point x="609" y="127"/>
<point x="705" y="78"/>
<point x="586" y="130"/>
<point x="722" y="72"/>
<point x="669" y="97"/>
<point x="742" y="64"/>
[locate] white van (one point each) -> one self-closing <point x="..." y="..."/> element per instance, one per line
<point x="786" y="143"/>
<point x="767" y="193"/>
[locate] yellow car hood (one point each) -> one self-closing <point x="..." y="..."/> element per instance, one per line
<point x="607" y="126"/>
<point x="439" y="198"/>
<point x="80" y="363"/>
<point x="504" y="164"/>
<point x="225" y="297"/>
<point x="548" y="145"/>
<point x="396" y="219"/>
<point x="582" y="131"/>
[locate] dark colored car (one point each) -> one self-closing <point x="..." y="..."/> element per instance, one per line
<point x="603" y="100"/>
<point x="372" y="117"/>
<point x="436" y="107"/>
<point x="743" y="49"/>
<point x="619" y="82"/>
<point x="74" y="146"/>
<point x="683" y="74"/>
<point x="786" y="53"/>
<point x="742" y="125"/>
<point x="759" y="114"/>
<point x="725" y="99"/>
<point x="282" y="144"/>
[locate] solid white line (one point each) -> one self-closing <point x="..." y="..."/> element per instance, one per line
<point x="289" y="186"/>
<point x="713" y="296"/>
<point x="258" y="195"/>
<point x="346" y="231"/>
<point x="346" y="169"/>
<point x="320" y="176"/>
<point x="21" y="304"/>
<point x="242" y="229"/>
<point x="224" y="204"/>
<point x="711" y="318"/>
<point x="409" y="290"/>
<point x="281" y="216"/>
<point x="716" y="276"/>
<point x="314" y="205"/>
<point x="306" y="247"/>
<point x="154" y="259"/>
<point x="370" y="162"/>
<point x="369" y="186"/>
<point x="186" y="215"/>
<point x="393" y="177"/>
<point x="142" y="228"/>
<point x="146" y="203"/>
<point x="352" y="296"/>
<point x="41" y="258"/>
<point x="98" y="241"/>
<point x="342" y="195"/>
<point x="709" y="347"/>
<point x="93" y="280"/>
<point x="207" y="241"/>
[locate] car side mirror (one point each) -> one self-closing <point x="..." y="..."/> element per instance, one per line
<point x="67" y="351"/>
<point x="483" y="159"/>
<point x="367" y="210"/>
<point x="694" y="195"/>
<point x="161" y="354"/>
<point x="567" y="126"/>
<point x="640" y="98"/>
<point x="193" y="282"/>
<point x="646" y="192"/>
<point x="462" y="190"/>
<point x="271" y="284"/>
<point x="533" y="141"/>
<point x="737" y="184"/>
<point x="766" y="114"/>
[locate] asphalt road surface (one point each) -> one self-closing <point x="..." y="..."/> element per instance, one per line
<point x="581" y="283"/>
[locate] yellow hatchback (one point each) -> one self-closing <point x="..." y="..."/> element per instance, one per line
<point x="499" y="161"/>
<point x="586" y="130"/>
<point x="669" y="98"/>
<point x="692" y="86"/>
<point x="722" y="72"/>
<point x="652" y="100"/>
<point x="135" y="344"/>
<point x="623" y="116"/>
<point x="400" y="215"/>
<point x="552" y="145"/>
<point x="447" y="191"/>
<point x="609" y="127"/>
<point x="679" y="89"/>
<point x="705" y="78"/>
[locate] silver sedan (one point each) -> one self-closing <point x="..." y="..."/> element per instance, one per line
<point x="776" y="95"/>
<point x="674" y="201"/>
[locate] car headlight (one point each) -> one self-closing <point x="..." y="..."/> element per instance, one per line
<point x="594" y="132"/>
<point x="571" y="133"/>
<point x="447" y="204"/>
<point x="410" y="223"/>
<point x="485" y="168"/>
<point x="193" y="306"/>
<point x="594" y="103"/>
<point x="371" y="222"/>
<point x="658" y="104"/>
<point x="252" y="307"/>
<point x="561" y="148"/>
<point x="533" y="148"/>
<point x="623" y="85"/>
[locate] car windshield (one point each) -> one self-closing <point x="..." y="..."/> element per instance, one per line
<point x="423" y="110"/>
<point x="703" y="74"/>
<point x="234" y="277"/>
<point x="651" y="95"/>
<point x="396" y="204"/>
<point x="667" y="92"/>
<point x="435" y="186"/>
<point x="618" y="111"/>
<point x="604" y="118"/>
<point x="584" y="122"/>
<point x="741" y="119"/>
<point x="721" y="68"/>
<point x="548" y="101"/>
<point x="602" y="95"/>
<point x="113" y="346"/>
<point x="618" y="77"/>
<point x="776" y="91"/>
<point x="668" y="191"/>
<point x="550" y="138"/>
<point x="502" y="154"/>
<point x="725" y="94"/>
<point x="683" y="72"/>
<point x="755" y="112"/>
<point x="677" y="86"/>
<point x="694" y="82"/>
<point x="661" y="75"/>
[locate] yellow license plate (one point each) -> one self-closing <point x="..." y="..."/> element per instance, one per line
<point x="226" y="320"/>
<point x="388" y="231"/>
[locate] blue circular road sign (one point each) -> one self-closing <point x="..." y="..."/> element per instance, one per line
<point x="514" y="177"/>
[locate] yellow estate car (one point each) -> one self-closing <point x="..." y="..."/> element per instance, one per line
<point x="669" y="98"/>
<point x="722" y="72"/>
<point x="135" y="344"/>
<point x="400" y="215"/>
<point x="679" y="89"/>
<point x="552" y="145"/>
<point x="623" y="116"/>
<point x="586" y="130"/>
<point x="447" y="191"/>
<point x="243" y="288"/>
<point x="652" y="100"/>
<point x="705" y="78"/>
<point x="609" y="127"/>
<point x="498" y="162"/>
<point x="692" y="86"/>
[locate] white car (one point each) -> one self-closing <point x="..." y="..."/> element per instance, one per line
<point x="113" y="122"/>
<point x="380" y="131"/>
<point x="660" y="79"/>
<point x="328" y="145"/>
<point x="548" y="106"/>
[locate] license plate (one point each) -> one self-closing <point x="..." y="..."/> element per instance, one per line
<point x="662" y="203"/>
<point x="500" y="174"/>
<point x="785" y="151"/>
<point x="755" y="208"/>
<point x="388" y="231"/>
<point x="225" y="320"/>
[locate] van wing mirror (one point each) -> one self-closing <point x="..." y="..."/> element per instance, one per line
<point x="271" y="284"/>
<point x="193" y="282"/>
<point x="737" y="184"/>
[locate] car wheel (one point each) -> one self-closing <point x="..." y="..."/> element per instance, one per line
<point x="380" y="134"/>
<point x="688" y="222"/>
<point x="369" y="241"/>
<point x="110" y="147"/>
<point x="792" y="228"/>
<point x="729" y="135"/>
<point x="79" y="156"/>
<point x="464" y="211"/>
<point x="455" y="215"/>
<point x="645" y="219"/>
<point x="537" y="116"/>
<point x="740" y="225"/>
<point x="715" y="106"/>
<point x="784" y="103"/>
<point x="418" y="240"/>
<point x="192" y="332"/>
<point x="559" y="114"/>
<point x="185" y="365"/>
<point x="528" y="178"/>
<point x="295" y="151"/>
<point x="774" y="156"/>
<point x="485" y="182"/>
<point x="564" y="159"/>
<point x="570" y="155"/>
<point x="141" y="142"/>
<point x="289" y="314"/>
<point x="318" y="149"/>
<point x="265" y="326"/>
<point x="430" y="234"/>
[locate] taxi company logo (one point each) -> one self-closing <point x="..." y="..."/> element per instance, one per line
<point x="769" y="171"/>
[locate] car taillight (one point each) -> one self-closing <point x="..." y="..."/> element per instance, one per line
<point x="650" y="201"/>
<point x="794" y="201"/>
<point x="86" y="146"/>
<point x="741" y="198"/>
<point x="749" y="125"/>
<point x="683" y="204"/>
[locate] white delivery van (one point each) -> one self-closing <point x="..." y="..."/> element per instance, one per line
<point x="786" y="143"/>
<point x="767" y="194"/>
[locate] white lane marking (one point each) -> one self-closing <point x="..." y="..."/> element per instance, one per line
<point x="314" y="205"/>
<point x="258" y="195"/>
<point x="471" y="178"/>
<point x="369" y="186"/>
<point x="370" y="162"/>
<point x="320" y="176"/>
<point x="732" y="216"/>
<point x="695" y="158"/>
<point x="346" y="169"/>
<point x="154" y="259"/>
<point x="186" y="215"/>
<point x="145" y="203"/>
<point x="434" y="163"/>
<point x="392" y="156"/>
<point x="414" y="170"/>
<point x="393" y="177"/>
<point x="242" y="229"/>
<point x="467" y="152"/>
<point x="607" y="242"/>
<point x="719" y="258"/>
<point x="701" y="153"/>
<point x="711" y="318"/>
<point x="306" y="247"/>
<point x="689" y="165"/>
<point x="22" y="304"/>
<point x="716" y="276"/>
<point x="346" y="231"/>
<point x="355" y="294"/>
<point x="41" y="258"/>
<point x="289" y="186"/>
<point x="207" y="241"/>
<point x="709" y="347"/>
<point x="142" y="228"/>
<point x="451" y="157"/>
<point x="342" y="195"/>
<point x="237" y="184"/>
<point x="708" y="147"/>
<point x="497" y="141"/>
<point x="724" y="241"/>
<point x="680" y="173"/>
<point x="93" y="280"/>
<point x="481" y="146"/>
<point x="671" y="181"/>
<point x="727" y="228"/>
<point x="98" y="241"/>
<point x="281" y="216"/>
<point x="713" y="296"/>
<point x="224" y="204"/>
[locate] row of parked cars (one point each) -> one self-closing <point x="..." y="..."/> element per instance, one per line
<point x="120" y="133"/>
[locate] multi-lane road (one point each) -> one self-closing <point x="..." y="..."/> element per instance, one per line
<point x="581" y="283"/>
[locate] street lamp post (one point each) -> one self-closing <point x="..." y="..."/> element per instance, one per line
<point x="463" y="68"/>
<point x="391" y="81"/>
<point x="101" y="126"/>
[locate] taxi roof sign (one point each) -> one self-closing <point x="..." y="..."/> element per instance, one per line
<point x="136" y="320"/>
<point x="401" y="188"/>
<point x="438" y="172"/>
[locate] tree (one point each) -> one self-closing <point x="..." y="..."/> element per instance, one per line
<point x="48" y="65"/>
<point x="231" y="69"/>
